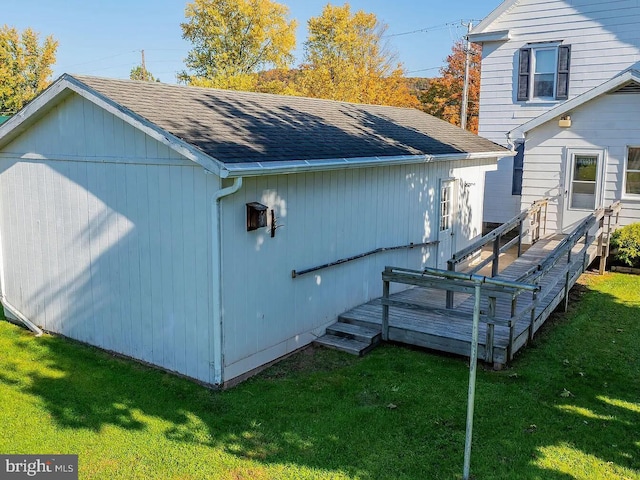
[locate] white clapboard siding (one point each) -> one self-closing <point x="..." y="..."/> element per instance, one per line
<point x="604" y="42"/>
<point x="606" y="123"/>
<point x="107" y="238"/>
<point x="325" y="217"/>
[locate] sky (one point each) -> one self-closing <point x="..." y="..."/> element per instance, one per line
<point x="105" y="37"/>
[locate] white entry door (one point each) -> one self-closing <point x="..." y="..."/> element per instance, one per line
<point x="583" y="186"/>
<point x="446" y="224"/>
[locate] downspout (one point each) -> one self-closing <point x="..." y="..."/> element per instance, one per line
<point x="10" y="308"/>
<point x="216" y="256"/>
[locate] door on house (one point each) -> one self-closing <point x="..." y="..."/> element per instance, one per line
<point x="446" y="224"/>
<point x="583" y="186"/>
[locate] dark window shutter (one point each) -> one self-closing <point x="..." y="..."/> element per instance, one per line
<point x="524" y="70"/>
<point x="564" y="60"/>
<point x="518" y="167"/>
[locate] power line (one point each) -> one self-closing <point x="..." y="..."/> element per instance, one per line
<point x="424" y="69"/>
<point x="98" y="59"/>
<point x="421" y="30"/>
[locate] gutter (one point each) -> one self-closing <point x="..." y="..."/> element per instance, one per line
<point x="252" y="169"/>
<point x="216" y="255"/>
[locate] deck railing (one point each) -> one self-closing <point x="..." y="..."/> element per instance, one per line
<point x="609" y="224"/>
<point x="574" y="250"/>
<point x="537" y="215"/>
<point x="577" y="261"/>
<point x="491" y="290"/>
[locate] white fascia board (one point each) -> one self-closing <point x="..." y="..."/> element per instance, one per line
<point x="20" y="121"/>
<point x="500" y="36"/>
<point x="65" y="84"/>
<point x="493" y="16"/>
<point x="144" y="125"/>
<point x="563" y="108"/>
<point x="253" y="169"/>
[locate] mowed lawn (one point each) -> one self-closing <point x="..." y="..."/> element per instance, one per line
<point x="568" y="408"/>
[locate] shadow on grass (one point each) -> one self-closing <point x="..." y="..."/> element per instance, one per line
<point x="396" y="413"/>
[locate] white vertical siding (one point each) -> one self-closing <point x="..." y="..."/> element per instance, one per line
<point x="327" y="216"/>
<point x="604" y="41"/>
<point x="606" y="123"/>
<point x="107" y="239"/>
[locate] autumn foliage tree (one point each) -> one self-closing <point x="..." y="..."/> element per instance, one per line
<point x="346" y="59"/>
<point x="234" y="39"/>
<point x="25" y="66"/>
<point x="443" y="98"/>
<point x="141" y="73"/>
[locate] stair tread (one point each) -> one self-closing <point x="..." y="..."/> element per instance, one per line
<point x="342" y="343"/>
<point x="353" y="329"/>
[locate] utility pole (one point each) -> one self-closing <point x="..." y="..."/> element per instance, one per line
<point x="144" y="67"/>
<point x="465" y="88"/>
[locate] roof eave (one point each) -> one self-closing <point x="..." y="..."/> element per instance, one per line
<point x="65" y="84"/>
<point x="485" y="37"/>
<point x="575" y="102"/>
<point x="252" y="169"/>
<point x="484" y="25"/>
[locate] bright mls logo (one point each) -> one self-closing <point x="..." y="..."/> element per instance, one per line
<point x="51" y="467"/>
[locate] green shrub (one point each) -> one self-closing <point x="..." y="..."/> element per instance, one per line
<point x="627" y="242"/>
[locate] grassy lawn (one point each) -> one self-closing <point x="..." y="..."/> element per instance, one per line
<point x="569" y="407"/>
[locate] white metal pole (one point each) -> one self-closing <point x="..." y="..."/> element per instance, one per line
<point x="472" y="382"/>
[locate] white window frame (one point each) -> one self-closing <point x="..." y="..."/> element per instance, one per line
<point x="543" y="46"/>
<point x="625" y="170"/>
<point x="450" y="184"/>
<point x="554" y="72"/>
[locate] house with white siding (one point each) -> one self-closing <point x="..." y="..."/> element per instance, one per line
<point x="207" y="232"/>
<point x="559" y="84"/>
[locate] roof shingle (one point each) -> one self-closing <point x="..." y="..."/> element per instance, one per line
<point x="239" y="127"/>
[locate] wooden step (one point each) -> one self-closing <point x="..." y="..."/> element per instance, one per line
<point x="357" y="332"/>
<point x="344" y="344"/>
<point x="355" y="318"/>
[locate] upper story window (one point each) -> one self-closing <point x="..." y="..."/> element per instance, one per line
<point x="543" y="72"/>
<point x="632" y="172"/>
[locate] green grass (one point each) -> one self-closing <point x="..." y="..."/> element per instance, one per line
<point x="569" y="407"/>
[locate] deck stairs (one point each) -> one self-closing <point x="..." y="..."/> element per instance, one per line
<point x="349" y="336"/>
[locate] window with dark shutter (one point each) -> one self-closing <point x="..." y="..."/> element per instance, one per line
<point x="518" y="168"/>
<point x="564" y="60"/>
<point x="524" y="71"/>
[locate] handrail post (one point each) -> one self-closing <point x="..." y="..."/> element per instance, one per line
<point x="385" y="307"/>
<point x="452" y="268"/>
<point x="566" y="281"/>
<point x="495" y="265"/>
<point x="585" y="255"/>
<point x="534" y="297"/>
<point x="601" y="240"/>
<point x="488" y="345"/>
<point x="520" y="230"/>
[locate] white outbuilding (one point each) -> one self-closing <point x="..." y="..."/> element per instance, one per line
<point x="211" y="232"/>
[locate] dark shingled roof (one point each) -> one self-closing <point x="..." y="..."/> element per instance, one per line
<point x="238" y="127"/>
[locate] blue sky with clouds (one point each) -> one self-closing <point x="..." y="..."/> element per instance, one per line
<point x="104" y="38"/>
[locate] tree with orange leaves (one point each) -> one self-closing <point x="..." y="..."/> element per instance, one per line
<point x="443" y="98"/>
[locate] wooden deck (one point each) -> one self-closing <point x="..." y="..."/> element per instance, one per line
<point x="518" y="290"/>
<point x="450" y="331"/>
<point x="509" y="318"/>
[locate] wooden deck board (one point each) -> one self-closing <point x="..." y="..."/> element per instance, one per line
<point x="451" y="333"/>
